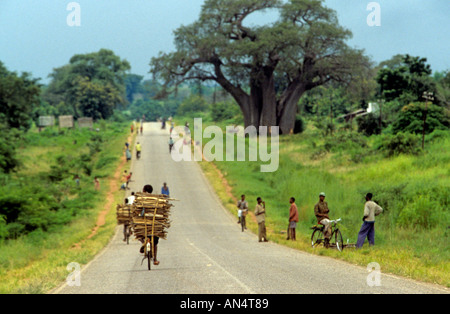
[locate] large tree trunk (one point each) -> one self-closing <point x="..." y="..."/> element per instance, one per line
<point x="269" y="101"/>
<point x="287" y="108"/>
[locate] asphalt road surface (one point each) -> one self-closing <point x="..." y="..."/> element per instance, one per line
<point x="206" y="253"/>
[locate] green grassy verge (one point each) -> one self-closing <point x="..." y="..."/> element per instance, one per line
<point x="412" y="235"/>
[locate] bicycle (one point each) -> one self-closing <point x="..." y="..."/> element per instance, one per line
<point x="242" y="222"/>
<point x="148" y="254"/>
<point x="336" y="239"/>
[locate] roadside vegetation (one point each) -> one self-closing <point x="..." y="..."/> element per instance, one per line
<point x="349" y="126"/>
<point x="379" y="152"/>
<point x="45" y="215"/>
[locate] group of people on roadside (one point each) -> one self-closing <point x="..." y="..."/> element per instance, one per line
<point x="139" y="126"/>
<point x="321" y="211"/>
<point x="260" y="214"/>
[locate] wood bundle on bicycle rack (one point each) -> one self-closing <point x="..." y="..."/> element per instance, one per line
<point x="155" y="221"/>
<point x="124" y="214"/>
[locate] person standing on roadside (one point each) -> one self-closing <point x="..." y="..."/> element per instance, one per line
<point x="260" y="213"/>
<point x="371" y="209"/>
<point x="128" y="154"/>
<point x="293" y="219"/>
<point x="242" y="206"/>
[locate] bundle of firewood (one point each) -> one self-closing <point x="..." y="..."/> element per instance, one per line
<point x="151" y="215"/>
<point x="124" y="214"/>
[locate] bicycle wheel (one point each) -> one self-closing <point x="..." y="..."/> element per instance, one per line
<point x="242" y="224"/>
<point x="149" y="256"/>
<point x="339" y="242"/>
<point x="317" y="238"/>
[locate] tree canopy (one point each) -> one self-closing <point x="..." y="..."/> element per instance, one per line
<point x="265" y="68"/>
<point x="91" y="85"/>
<point x="18" y="96"/>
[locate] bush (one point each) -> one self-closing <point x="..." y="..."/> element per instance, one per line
<point x="401" y="143"/>
<point x="411" y="119"/>
<point x="192" y="105"/>
<point x="224" y="111"/>
<point x="8" y="159"/>
<point x="368" y="125"/>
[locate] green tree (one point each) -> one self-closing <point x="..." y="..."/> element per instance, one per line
<point x="18" y="96"/>
<point x="101" y="68"/>
<point x="305" y="46"/>
<point x="96" y="99"/>
<point x="405" y="78"/>
<point x="133" y="84"/>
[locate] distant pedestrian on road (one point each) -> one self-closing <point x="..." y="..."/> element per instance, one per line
<point x="242" y="206"/>
<point x="138" y="150"/>
<point x="165" y="190"/>
<point x="260" y="213"/>
<point x="171" y="144"/>
<point x="126" y="225"/>
<point x="293" y="219"/>
<point x="371" y="209"/>
<point x="131" y="198"/>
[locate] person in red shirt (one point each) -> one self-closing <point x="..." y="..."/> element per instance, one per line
<point x="293" y="219"/>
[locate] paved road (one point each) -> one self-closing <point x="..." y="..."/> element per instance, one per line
<point x="207" y="254"/>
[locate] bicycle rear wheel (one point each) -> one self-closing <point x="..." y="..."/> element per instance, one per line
<point x="317" y="238"/>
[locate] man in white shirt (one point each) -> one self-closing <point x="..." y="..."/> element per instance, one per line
<point x="371" y="209"/>
<point x="131" y="198"/>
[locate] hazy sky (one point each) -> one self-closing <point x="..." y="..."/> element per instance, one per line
<point x="35" y="37"/>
